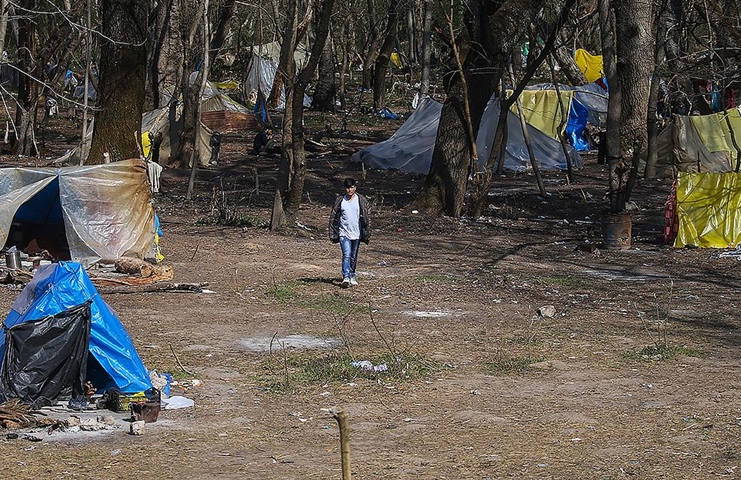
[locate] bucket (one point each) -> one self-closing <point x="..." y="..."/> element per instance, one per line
<point x="147" y="411"/>
<point x="616" y="231"/>
<point x="13" y="260"/>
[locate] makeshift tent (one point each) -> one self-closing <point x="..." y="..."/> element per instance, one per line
<point x="410" y="148"/>
<point x="167" y="123"/>
<point x="588" y="105"/>
<point x="708" y="209"/>
<point x="88" y="213"/>
<point x="700" y="143"/>
<point x="60" y="309"/>
<point x="547" y="150"/>
<point x="261" y="74"/>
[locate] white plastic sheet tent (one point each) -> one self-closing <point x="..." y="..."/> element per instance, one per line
<point x="262" y="68"/>
<point x="168" y="123"/>
<point x="105" y="211"/>
<point x="410" y="148"/>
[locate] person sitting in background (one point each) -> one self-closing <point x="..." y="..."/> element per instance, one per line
<point x="263" y="141"/>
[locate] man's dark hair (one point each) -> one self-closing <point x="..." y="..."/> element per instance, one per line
<point x="350" y="182"/>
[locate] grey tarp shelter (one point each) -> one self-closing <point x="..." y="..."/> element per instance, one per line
<point x="410" y="148"/>
<point x="87" y="213"/>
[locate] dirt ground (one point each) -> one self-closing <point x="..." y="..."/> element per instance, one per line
<point x="479" y="385"/>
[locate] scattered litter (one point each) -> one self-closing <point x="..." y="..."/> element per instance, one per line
<point x="176" y="402"/>
<point x="388" y="114"/>
<point x="369" y="367"/>
<point x="423" y="314"/>
<point x="547" y="311"/>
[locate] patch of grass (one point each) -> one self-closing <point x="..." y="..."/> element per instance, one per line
<point x="305" y="370"/>
<point x="659" y="352"/>
<point x="283" y="293"/>
<point x="243" y="220"/>
<point x="510" y="364"/>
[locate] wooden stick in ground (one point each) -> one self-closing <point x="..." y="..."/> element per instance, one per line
<point x="341" y="418"/>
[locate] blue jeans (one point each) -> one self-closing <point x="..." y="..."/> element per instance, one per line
<point x="349" y="256"/>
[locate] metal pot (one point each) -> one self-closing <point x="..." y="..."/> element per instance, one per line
<point x="13" y="260"/>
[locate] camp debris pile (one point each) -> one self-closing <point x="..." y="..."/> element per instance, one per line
<point x="125" y="275"/>
<point x="15" y="415"/>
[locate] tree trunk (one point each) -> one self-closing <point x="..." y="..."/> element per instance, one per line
<point x="612" y="135"/>
<point x="568" y="67"/>
<point x="372" y="44"/>
<point x="123" y="63"/>
<point x="325" y="91"/>
<point x="161" y="28"/>
<point x="201" y="80"/>
<point x="294" y="177"/>
<point x="652" y="157"/>
<point x="225" y="13"/>
<point x="346" y="66"/>
<point x="191" y="22"/>
<point x="28" y="88"/>
<point x="446" y="184"/>
<point x="293" y="33"/>
<point x="424" y="83"/>
<point x="384" y="57"/>
<point x="3" y="23"/>
<point x="635" y="47"/>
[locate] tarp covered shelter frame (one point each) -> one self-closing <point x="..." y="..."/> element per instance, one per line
<point x="105" y="211"/>
<point x="59" y="287"/>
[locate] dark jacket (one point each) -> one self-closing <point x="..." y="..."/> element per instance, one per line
<point x="334" y="219"/>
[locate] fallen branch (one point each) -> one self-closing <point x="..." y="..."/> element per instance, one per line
<point x="155" y="287"/>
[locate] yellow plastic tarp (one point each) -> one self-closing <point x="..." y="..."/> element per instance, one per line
<point x="541" y="109"/>
<point x="396" y="60"/>
<point x="590" y="65"/>
<point x="146" y="144"/>
<point x="709" y="209"/>
<point x="714" y="132"/>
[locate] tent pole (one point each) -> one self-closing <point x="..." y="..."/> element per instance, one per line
<point x="564" y="116"/>
<point x="526" y="136"/>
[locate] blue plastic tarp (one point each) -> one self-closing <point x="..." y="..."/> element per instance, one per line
<point x="58" y="287"/>
<point x="576" y="125"/>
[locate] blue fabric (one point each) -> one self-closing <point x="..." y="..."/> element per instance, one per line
<point x="576" y="126"/>
<point x="43" y="208"/>
<point x="349" y="256"/>
<point x="261" y="110"/>
<point x="59" y="287"/>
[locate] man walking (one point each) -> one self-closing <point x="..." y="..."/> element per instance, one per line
<point x="349" y="224"/>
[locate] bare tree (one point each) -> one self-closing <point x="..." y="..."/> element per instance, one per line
<point x="292" y="173"/>
<point x="123" y="64"/>
<point x="485" y="53"/>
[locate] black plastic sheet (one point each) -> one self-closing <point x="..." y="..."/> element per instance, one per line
<point x="47" y="358"/>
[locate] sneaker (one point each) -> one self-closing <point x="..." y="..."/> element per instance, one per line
<point x="353" y="281"/>
<point x="345" y="282"/>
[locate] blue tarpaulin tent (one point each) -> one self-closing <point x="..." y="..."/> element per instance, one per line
<point x="60" y="287"/>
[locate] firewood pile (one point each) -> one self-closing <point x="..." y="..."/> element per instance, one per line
<point x="15" y="415"/>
